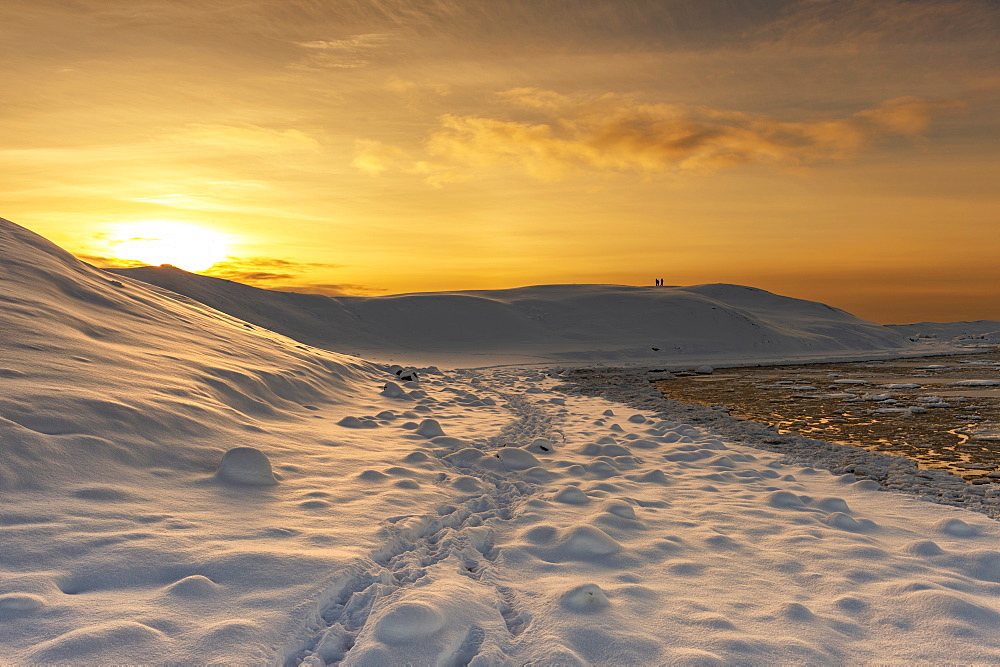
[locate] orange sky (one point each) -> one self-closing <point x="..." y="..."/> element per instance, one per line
<point x="838" y="150"/>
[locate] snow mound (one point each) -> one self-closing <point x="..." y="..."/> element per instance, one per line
<point x="408" y="621"/>
<point x="246" y="465"/>
<point x="430" y="428"/>
<point x="588" y="597"/>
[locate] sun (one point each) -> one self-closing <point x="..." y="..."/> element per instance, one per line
<point x="183" y="245"/>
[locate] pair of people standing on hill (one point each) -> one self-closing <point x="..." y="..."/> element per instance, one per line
<point x="659" y="282"/>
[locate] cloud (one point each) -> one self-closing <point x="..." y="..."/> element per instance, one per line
<point x="414" y="90"/>
<point x="375" y="158"/>
<point x="349" y="53"/>
<point x="329" y="289"/>
<point x="270" y="273"/>
<point x="907" y="116"/>
<point x="614" y="133"/>
<point x="262" y="271"/>
<point x="283" y="275"/>
<point x="863" y="25"/>
<point x="104" y="262"/>
<point x="249" y="138"/>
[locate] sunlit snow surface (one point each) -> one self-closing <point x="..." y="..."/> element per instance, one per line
<point x="483" y="517"/>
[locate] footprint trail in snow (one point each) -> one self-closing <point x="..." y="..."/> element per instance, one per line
<point x="455" y="539"/>
<point x="581" y="531"/>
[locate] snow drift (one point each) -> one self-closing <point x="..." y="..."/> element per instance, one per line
<point x="560" y="323"/>
<point x="85" y="352"/>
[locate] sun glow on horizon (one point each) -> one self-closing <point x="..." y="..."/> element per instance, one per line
<point x="180" y="244"/>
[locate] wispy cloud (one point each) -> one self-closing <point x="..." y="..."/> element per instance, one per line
<point x="249" y="138"/>
<point x="285" y="275"/>
<point x="348" y="53"/>
<point x="860" y="25"/>
<point x="255" y="270"/>
<point x="376" y="158"/>
<point x="270" y="273"/>
<point x="328" y="289"/>
<point x="559" y="133"/>
<point x="105" y="262"/>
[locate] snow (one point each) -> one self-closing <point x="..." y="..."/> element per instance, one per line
<point x="246" y="465"/>
<point x="985" y="333"/>
<point x="697" y="327"/>
<point x="179" y="485"/>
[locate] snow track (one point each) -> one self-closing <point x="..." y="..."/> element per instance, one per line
<point x="586" y="528"/>
<point x="458" y="536"/>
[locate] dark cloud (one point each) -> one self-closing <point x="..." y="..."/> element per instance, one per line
<point x="272" y="273"/>
<point x="858" y="25"/>
<point x="103" y="262"/>
<point x="339" y="34"/>
<point x="329" y="289"/>
<point x="263" y="271"/>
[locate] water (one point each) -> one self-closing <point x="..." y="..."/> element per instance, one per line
<point x="937" y="423"/>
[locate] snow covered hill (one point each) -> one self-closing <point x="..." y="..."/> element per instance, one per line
<point x="181" y="486"/>
<point x="555" y="323"/>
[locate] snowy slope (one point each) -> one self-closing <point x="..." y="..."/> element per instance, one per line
<point x="472" y="517"/>
<point x="983" y="332"/>
<point x="163" y="372"/>
<point x="120" y="543"/>
<point x="560" y="323"/>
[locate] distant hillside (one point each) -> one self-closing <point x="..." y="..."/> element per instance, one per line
<point x="549" y="322"/>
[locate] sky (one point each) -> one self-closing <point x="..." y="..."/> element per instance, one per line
<point x="844" y="151"/>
